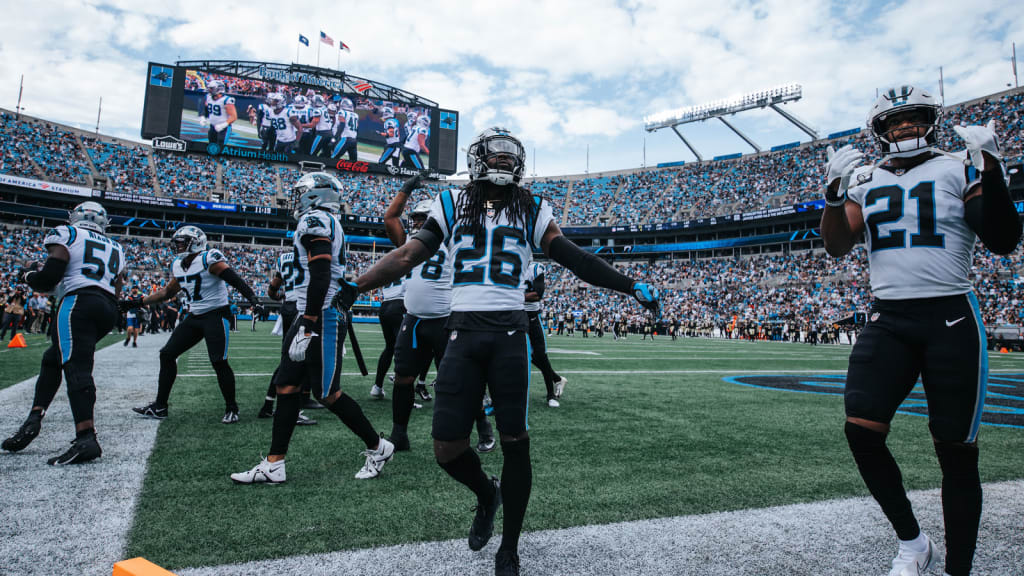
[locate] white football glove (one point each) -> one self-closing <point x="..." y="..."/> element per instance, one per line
<point x="980" y="139"/>
<point x="204" y="121"/>
<point x="297" y="350"/>
<point x="841" y="164"/>
<point x="219" y="127"/>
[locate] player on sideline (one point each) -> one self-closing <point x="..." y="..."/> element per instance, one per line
<point x="312" y="349"/>
<point x="554" y="383"/>
<point x="390" y="313"/>
<point x="920" y="210"/>
<point x="491" y="227"/>
<point x="86" y="265"/>
<point x="218" y="112"/>
<point x="203" y="274"/>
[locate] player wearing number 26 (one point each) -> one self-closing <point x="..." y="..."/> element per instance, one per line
<point x="920" y="210"/>
<point x="84" y="266"/>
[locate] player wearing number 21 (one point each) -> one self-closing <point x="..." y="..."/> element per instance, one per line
<point x="920" y="210"/>
<point x="491" y="228"/>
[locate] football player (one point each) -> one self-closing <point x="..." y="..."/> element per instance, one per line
<point x="920" y="210"/>
<point x="263" y="121"/>
<point x="490" y="227"/>
<point x="86" y="268"/>
<point x="283" y="124"/>
<point x="534" y="287"/>
<point x="312" y="348"/>
<point x="308" y="118"/>
<point x="218" y="112"/>
<point x="416" y="142"/>
<point x="324" y="127"/>
<point x="390" y="314"/>
<point x="392" y="136"/>
<point x="204" y="275"/>
<point x="346" y="130"/>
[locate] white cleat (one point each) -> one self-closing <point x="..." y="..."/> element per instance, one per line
<point x="552" y="403"/>
<point x="910" y="562"/>
<point x="265" y="472"/>
<point x="560" y="386"/>
<point x="376" y="459"/>
<point x="377" y="392"/>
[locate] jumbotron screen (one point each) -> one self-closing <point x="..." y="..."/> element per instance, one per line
<point x="230" y="115"/>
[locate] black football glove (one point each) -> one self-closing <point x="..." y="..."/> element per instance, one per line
<point x="345" y="297"/>
<point x="29" y="268"/>
<point x="411" y="184"/>
<point x="130" y="303"/>
<point x="648" y="297"/>
<point x="257" y="308"/>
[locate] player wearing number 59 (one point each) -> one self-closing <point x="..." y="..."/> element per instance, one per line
<point x="218" y="113"/>
<point x="920" y="210"/>
<point x="203" y="274"/>
<point x="84" y="265"/>
<point x="490" y="228"/>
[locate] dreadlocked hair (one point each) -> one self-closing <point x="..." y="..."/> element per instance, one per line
<point x="472" y="207"/>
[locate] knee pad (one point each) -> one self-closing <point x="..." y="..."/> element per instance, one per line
<point x="863" y="439"/>
<point x="957" y="460"/>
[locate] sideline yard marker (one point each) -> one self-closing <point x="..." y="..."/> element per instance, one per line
<point x="18" y="341"/>
<point x="139" y="567"/>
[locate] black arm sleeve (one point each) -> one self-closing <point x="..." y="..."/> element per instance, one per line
<point x="47" y="279"/>
<point x="319" y="276"/>
<point x="430" y="234"/>
<point x="993" y="216"/>
<point x="538" y="286"/>
<point x="588" y="267"/>
<point x="236" y="282"/>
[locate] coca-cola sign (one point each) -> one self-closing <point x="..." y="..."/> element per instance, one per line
<point x="352" y="166"/>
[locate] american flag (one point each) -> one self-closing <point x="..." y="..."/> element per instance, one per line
<point x="326" y="39"/>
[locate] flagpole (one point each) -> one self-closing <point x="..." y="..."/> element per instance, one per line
<point x="98" y="111"/>
<point x="297" y="51"/>
<point x="21" y="86"/>
<point x="318" y="52"/>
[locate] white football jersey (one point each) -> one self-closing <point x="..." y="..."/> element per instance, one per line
<point x="203" y="290"/>
<point x="488" y="273"/>
<point x="95" y="260"/>
<point x="305" y="115"/>
<point x="324" y="120"/>
<point x="428" y="293"/>
<point x="412" y="141"/>
<point x="395" y="290"/>
<point x="919" y="244"/>
<point x="393" y="131"/>
<point x="533" y="271"/>
<point x="349" y="123"/>
<point x="280" y="121"/>
<point x="318" y="223"/>
<point x="216" y="108"/>
<point x="290" y="273"/>
<point x="265" y="112"/>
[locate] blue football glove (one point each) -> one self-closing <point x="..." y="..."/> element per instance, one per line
<point x="648" y="297"/>
<point x="345" y="297"/>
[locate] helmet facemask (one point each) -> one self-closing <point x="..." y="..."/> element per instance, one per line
<point x="317" y="190"/>
<point x="496" y="156"/>
<point x="887" y="129"/>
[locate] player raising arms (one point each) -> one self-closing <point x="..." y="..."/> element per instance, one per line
<point x="312" y="349"/>
<point x="416" y="142"/>
<point x="204" y="275"/>
<point x="218" y="112"/>
<point x="920" y="210"/>
<point x="346" y="131"/>
<point x="490" y="228"/>
<point x="86" y="265"/>
<point x="392" y="137"/>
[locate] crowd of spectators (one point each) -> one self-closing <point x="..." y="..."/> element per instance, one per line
<point x="186" y="176"/>
<point x="249" y="183"/>
<point x="590" y="198"/>
<point x="127" y="167"/>
<point x="53" y="149"/>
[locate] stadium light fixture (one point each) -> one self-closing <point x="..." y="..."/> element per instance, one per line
<point x="749" y="101"/>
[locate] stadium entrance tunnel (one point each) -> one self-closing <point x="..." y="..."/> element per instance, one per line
<point x="1004" y="399"/>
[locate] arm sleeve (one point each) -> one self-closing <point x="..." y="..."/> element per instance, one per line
<point x="588" y="267"/>
<point x="430" y="234"/>
<point x="319" y="275"/>
<point x="47" y="279"/>
<point x="232" y="278"/>
<point x="993" y="216"/>
<point x="538" y="286"/>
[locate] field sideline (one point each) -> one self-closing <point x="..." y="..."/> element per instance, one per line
<point x="653" y="439"/>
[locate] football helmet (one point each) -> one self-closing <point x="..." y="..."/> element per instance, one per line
<point x="332" y="109"/>
<point x="318" y="101"/>
<point x="346" y="104"/>
<point x="925" y="111"/>
<point x="505" y="150"/>
<point x="386" y="113"/>
<point x="423" y="121"/>
<point x="188" y="239"/>
<point x="300" y="102"/>
<point x="276" y="100"/>
<point x="316" y="190"/>
<point x="419" y="213"/>
<point x="215" y="87"/>
<point x="89" y="215"/>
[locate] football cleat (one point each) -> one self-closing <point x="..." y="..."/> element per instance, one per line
<point x="311" y="404"/>
<point x="152" y="411"/>
<point x="376" y="459"/>
<point x="26" y="434"/>
<point x="486" y="444"/>
<point x="265" y="472"/>
<point x="304" y="420"/>
<point x="230" y="416"/>
<point x="267" y="411"/>
<point x="377" y="392"/>
<point x="910" y="562"/>
<point x="126" y="343"/>
<point x="506" y="563"/>
<point x="483" y="523"/>
<point x="552" y="403"/>
<point x="423" y="393"/>
<point x="560" y="386"/>
<point x="82" y="450"/>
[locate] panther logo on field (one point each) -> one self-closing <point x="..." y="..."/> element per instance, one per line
<point x="1004" y="399"/>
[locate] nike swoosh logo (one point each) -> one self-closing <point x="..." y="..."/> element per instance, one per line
<point x="954" y="322"/>
<point x="511" y="332"/>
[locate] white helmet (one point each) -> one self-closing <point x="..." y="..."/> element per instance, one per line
<point x="300" y="101"/>
<point x="276" y="100"/>
<point x="386" y="113"/>
<point x="346" y="104"/>
<point x="901" y="100"/>
<point x="215" y="87"/>
<point x="424" y="121"/>
<point x="89" y="215"/>
<point x="188" y="239"/>
<point x="318" y="101"/>
<point x="316" y="190"/>
<point x="420" y="213"/>
<point x="492" y="143"/>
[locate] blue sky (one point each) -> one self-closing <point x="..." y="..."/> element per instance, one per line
<point x="563" y="75"/>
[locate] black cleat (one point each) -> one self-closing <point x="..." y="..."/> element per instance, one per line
<point x="423" y="393"/>
<point x="82" y="450"/>
<point x="135" y="344"/>
<point x="401" y="442"/>
<point x="26" y="434"/>
<point x="310" y="404"/>
<point x="266" y="411"/>
<point x="152" y="411"/>
<point x="483" y="523"/>
<point x="126" y="343"/>
<point x="486" y="444"/>
<point x="506" y="563"/>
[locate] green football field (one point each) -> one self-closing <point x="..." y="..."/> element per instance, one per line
<point x="17" y="364"/>
<point x="645" y="430"/>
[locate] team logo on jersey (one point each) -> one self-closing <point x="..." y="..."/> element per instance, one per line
<point x="1005" y="409"/>
<point x="455" y="334"/>
<point x="865" y="177"/>
<point x="874" y="317"/>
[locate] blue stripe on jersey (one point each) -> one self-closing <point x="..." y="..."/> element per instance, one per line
<point x="72" y="236"/>
<point x="227" y="337"/>
<point x="449" y="210"/>
<point x="204" y="259"/>
<point x="328" y="350"/>
<point x="979" y="402"/>
<point x="64" y="339"/>
<point x="526" y="401"/>
<point x="533" y="220"/>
